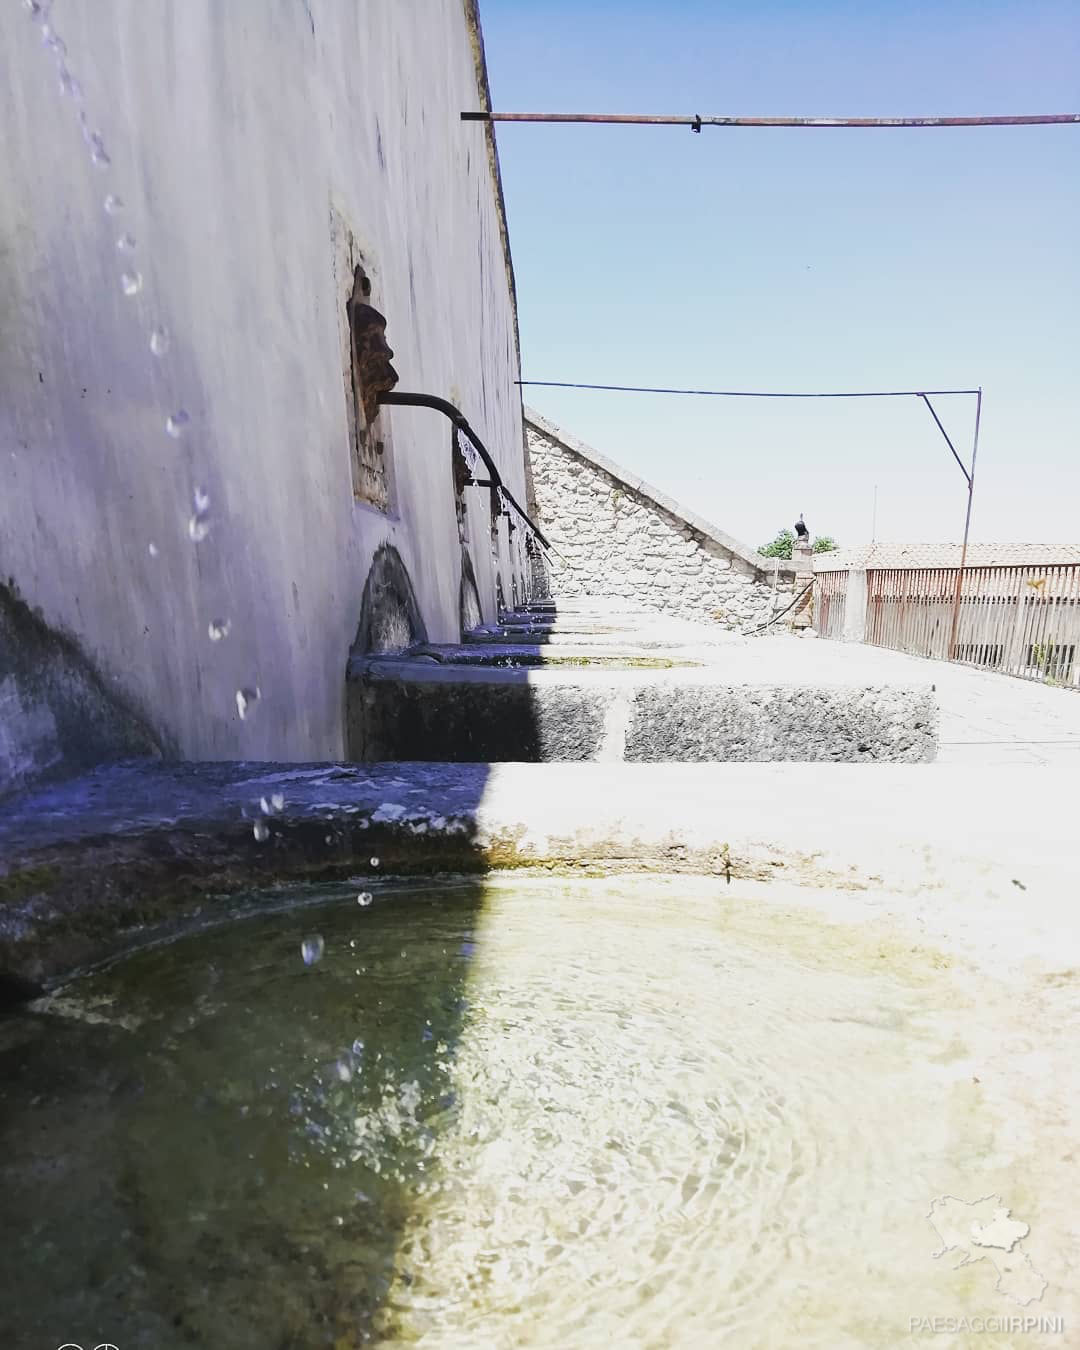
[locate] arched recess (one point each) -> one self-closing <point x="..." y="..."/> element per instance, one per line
<point x="469" y="609"/>
<point x="390" y="619"/>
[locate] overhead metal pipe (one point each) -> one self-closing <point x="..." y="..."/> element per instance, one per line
<point x="696" y="123"/>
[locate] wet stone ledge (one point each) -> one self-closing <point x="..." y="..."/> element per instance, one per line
<point x="134" y="852"/>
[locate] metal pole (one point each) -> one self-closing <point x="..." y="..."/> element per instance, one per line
<point x="967" y="526"/>
<point x="696" y="123"/>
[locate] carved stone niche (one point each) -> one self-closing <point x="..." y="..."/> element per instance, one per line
<point x="366" y="368"/>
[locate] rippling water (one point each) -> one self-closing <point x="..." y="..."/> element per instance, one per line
<point x="646" y="1112"/>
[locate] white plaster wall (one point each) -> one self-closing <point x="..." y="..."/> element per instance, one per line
<point x="231" y="128"/>
<point x="612" y="540"/>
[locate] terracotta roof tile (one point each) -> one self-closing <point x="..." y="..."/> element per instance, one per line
<point x="888" y="555"/>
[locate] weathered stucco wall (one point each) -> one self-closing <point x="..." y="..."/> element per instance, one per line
<point x="55" y="715"/>
<point x="615" y="535"/>
<point x="235" y="134"/>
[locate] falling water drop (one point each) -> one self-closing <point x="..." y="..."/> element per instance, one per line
<point x="198" y="527"/>
<point x="113" y="204"/>
<point x="358" y="1047"/>
<point x="51" y="39"/>
<point x="126" y="243"/>
<point x="218" y="629"/>
<point x="200" y="500"/>
<point x="311" y="949"/>
<point x="246" y="700"/>
<point x="98" y="153"/>
<point x="261" y="831"/>
<point x="34" y="8"/>
<point x="343" y="1069"/>
<point x="69" y="85"/>
<point x="374" y="862"/>
<point x="159" y="341"/>
<point x="152" y="549"/>
<point x="176" y="422"/>
<point x="131" y="282"/>
<point x="364" y="899"/>
<point x="277" y="801"/>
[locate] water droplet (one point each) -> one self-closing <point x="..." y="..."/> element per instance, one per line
<point x="352" y="942"/>
<point x="218" y="629"/>
<point x="51" y="38"/>
<point x="159" y="341"/>
<point x="98" y="153"/>
<point x="277" y="801"/>
<point x="176" y="422"/>
<point x="198" y="528"/>
<point x="328" y="839"/>
<point x="113" y="204"/>
<point x="131" y="282"/>
<point x="343" y="1069"/>
<point x="152" y="549"/>
<point x="311" y="949"/>
<point x="358" y="1047"/>
<point x="338" y="1220"/>
<point x="200" y="500"/>
<point x="261" y="831"/>
<point x="34" y="8"/>
<point x="364" y="898"/>
<point x="404" y="953"/>
<point x="126" y="243"/>
<point x="246" y="700"/>
<point x="374" y="862"/>
<point x="69" y="85"/>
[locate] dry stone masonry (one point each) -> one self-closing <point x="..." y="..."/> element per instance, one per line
<point x="615" y="536"/>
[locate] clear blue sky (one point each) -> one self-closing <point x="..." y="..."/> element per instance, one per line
<point x="788" y="259"/>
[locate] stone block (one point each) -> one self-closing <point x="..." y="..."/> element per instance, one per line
<point x="757" y="723"/>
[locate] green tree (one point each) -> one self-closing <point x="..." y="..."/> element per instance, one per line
<point x="781" y="546"/>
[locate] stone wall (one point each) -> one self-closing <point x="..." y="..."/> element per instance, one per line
<point x="614" y="535"/>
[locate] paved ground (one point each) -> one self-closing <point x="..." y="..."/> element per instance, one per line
<point x="986" y="719"/>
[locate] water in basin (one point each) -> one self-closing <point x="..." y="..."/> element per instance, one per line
<point x="641" y="1112"/>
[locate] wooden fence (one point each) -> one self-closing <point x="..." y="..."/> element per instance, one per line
<point x="1022" y="621"/>
<point x="830" y="602"/>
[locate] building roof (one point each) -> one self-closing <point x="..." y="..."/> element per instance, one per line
<point x="659" y="499"/>
<point x="887" y="555"/>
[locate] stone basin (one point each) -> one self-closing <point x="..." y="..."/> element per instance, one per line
<point x="761" y="1023"/>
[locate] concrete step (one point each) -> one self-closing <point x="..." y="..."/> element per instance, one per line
<point x="566" y="652"/>
<point x="589" y="680"/>
<point x="409" y="709"/>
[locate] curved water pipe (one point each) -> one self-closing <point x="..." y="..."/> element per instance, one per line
<point x="441" y="405"/>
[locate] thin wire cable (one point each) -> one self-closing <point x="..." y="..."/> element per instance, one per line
<point x="745" y="393"/>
